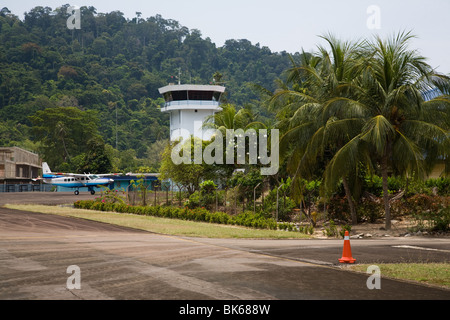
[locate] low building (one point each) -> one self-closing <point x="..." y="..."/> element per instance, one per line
<point x="17" y="168"/>
<point x="124" y="182"/>
<point x="438" y="171"/>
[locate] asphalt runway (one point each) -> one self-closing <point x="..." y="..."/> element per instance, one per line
<point x="45" y="198"/>
<point x="39" y="251"/>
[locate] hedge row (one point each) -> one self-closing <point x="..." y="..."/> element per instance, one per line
<point x="246" y="219"/>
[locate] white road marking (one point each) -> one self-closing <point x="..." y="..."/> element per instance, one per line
<point x="420" y="248"/>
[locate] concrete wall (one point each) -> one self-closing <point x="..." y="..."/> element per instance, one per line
<point x="190" y="120"/>
<point x="17" y="163"/>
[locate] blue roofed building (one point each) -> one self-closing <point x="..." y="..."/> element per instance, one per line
<point x="124" y="182"/>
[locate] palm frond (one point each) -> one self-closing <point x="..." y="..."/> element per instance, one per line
<point x="343" y="162"/>
<point x="409" y="157"/>
<point x="377" y="132"/>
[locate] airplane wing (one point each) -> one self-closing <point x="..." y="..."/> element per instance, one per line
<point x="89" y="174"/>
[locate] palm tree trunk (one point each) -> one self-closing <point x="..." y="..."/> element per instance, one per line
<point x="66" y="156"/>
<point x="387" y="207"/>
<point x="350" y="200"/>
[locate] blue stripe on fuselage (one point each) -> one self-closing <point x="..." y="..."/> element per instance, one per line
<point x="76" y="185"/>
<point x="50" y="176"/>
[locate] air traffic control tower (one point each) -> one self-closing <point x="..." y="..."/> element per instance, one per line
<point x="189" y="105"/>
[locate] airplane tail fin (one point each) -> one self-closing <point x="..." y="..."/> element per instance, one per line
<point x="45" y="168"/>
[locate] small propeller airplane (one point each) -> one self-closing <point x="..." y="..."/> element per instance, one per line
<point x="74" y="180"/>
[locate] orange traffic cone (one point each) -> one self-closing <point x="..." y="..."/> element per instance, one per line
<point x="347" y="251"/>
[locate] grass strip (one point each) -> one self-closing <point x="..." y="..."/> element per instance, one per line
<point x="164" y="225"/>
<point x="428" y="273"/>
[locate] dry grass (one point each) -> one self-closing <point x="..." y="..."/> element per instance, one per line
<point x="163" y="225"/>
<point x="429" y="273"/>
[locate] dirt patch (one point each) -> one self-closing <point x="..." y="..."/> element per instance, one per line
<point x="403" y="227"/>
<point x="398" y="228"/>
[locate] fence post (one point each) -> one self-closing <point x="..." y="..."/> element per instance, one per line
<point x="254" y="198"/>
<point x="235" y="198"/>
<point x="154" y="190"/>
<point x="277" y="199"/>
<point x="128" y="194"/>
<point x="225" y="199"/>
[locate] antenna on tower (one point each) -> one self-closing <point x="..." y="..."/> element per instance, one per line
<point x="138" y="15"/>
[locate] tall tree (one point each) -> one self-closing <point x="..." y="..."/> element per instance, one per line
<point x="402" y="132"/>
<point x="63" y="132"/>
<point x="96" y="158"/>
<point x="186" y="175"/>
<point x="314" y="124"/>
<point x="230" y="119"/>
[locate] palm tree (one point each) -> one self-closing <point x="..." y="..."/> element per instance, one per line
<point x="400" y="130"/>
<point x="230" y="118"/>
<point x="61" y="132"/>
<point x="313" y="118"/>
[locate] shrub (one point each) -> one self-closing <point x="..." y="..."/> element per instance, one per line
<point x="206" y="197"/>
<point x="194" y="200"/>
<point x="373" y="184"/>
<point x="441" y="184"/>
<point x="338" y="208"/>
<point x="441" y="220"/>
<point x="344" y="228"/>
<point x="207" y="186"/>
<point x="285" y="205"/>
<point x="331" y="231"/>
<point x="247" y="219"/>
<point x="430" y="212"/>
<point x="111" y="196"/>
<point x="82" y="204"/>
<point x="255" y="220"/>
<point x="288" y="226"/>
<point x="370" y="210"/>
<point x="421" y="203"/>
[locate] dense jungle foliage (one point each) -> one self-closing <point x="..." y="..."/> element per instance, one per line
<point x="111" y="68"/>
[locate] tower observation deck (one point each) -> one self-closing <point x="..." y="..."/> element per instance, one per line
<point x="188" y="106"/>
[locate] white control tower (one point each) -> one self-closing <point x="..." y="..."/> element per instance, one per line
<point x="189" y="105"/>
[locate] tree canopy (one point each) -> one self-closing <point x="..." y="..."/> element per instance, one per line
<point x="363" y="107"/>
<point x="114" y="66"/>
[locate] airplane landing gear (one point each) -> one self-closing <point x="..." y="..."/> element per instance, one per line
<point x="91" y="190"/>
<point x="76" y="192"/>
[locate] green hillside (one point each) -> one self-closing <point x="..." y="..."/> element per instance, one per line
<point x="113" y="67"/>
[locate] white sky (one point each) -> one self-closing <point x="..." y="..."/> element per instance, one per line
<point x="289" y="25"/>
